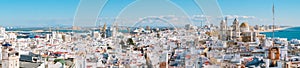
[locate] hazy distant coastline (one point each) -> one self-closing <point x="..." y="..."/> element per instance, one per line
<point x="277" y="29"/>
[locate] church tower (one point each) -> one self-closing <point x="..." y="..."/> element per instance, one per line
<point x="103" y="31"/>
<point x="115" y="30"/>
<point x="10" y="57"/>
<point x="223" y="29"/>
<point x="236" y="29"/>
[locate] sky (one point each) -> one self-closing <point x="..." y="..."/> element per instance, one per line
<point x="39" y="13"/>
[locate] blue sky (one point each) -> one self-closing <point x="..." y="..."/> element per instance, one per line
<point x="61" y="12"/>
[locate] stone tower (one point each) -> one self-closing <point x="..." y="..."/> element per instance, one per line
<point x="223" y="29"/>
<point x="236" y="29"/>
<point x="103" y="31"/>
<point x="10" y="57"/>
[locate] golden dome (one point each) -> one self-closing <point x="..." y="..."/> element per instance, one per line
<point x="244" y="25"/>
<point x="252" y="28"/>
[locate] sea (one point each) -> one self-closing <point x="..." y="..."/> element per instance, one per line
<point x="289" y="33"/>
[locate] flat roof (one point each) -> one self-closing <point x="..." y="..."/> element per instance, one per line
<point x="29" y="64"/>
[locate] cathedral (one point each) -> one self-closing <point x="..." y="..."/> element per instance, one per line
<point x="238" y="32"/>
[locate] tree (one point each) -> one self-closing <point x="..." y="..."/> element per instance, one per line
<point x="130" y="41"/>
<point x="60" y="60"/>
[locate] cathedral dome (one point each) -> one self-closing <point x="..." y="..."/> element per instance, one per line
<point x="244" y="25"/>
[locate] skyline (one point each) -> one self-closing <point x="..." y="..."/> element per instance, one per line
<point x="52" y="12"/>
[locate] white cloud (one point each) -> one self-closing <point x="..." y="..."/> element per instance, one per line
<point x="199" y="17"/>
<point x="239" y="17"/>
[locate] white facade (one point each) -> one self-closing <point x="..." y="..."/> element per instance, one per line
<point x="2" y="34"/>
<point x="96" y="34"/>
<point x="56" y="65"/>
<point x="48" y="36"/>
<point x="80" y="62"/>
<point x="2" y="31"/>
<point x="10" y="59"/>
<point x="223" y="29"/>
<point x="12" y="36"/>
<point x="66" y="38"/>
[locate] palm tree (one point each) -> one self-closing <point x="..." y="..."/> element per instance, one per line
<point x="130" y="41"/>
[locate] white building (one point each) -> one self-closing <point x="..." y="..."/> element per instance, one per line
<point x="2" y="34"/>
<point x="11" y="36"/>
<point x="96" y="34"/>
<point x="66" y="38"/>
<point x="223" y="29"/>
<point x="236" y="30"/>
<point x="2" y="31"/>
<point x="80" y="62"/>
<point x="10" y="58"/>
<point x="48" y="37"/>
